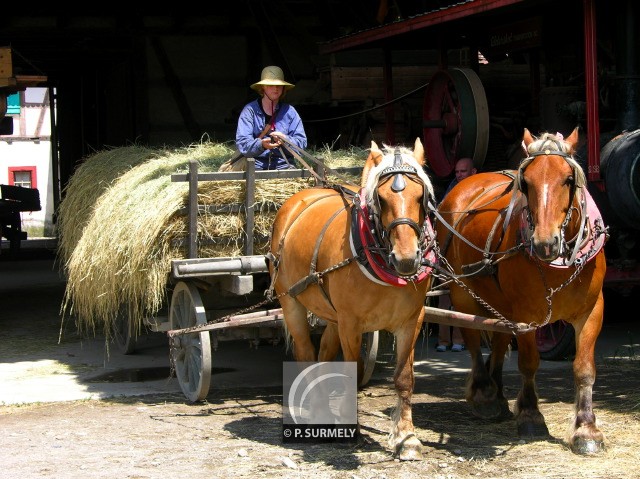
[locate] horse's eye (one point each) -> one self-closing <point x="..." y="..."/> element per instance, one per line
<point x="570" y="181"/>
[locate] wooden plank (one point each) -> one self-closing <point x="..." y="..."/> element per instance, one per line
<point x="6" y="67"/>
<point x="463" y="320"/>
<point x="24" y="81"/>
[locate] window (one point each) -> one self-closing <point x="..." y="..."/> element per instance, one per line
<point x="13" y="104"/>
<point x="24" y="176"/>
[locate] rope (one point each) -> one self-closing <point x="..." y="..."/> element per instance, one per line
<point x="383" y="105"/>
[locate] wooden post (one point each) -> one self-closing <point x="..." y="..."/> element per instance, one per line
<point x="193" y="209"/>
<point x="591" y="77"/>
<point x="249" y="202"/>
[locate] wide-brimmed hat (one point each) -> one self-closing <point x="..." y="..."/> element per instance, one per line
<point x="272" y="75"/>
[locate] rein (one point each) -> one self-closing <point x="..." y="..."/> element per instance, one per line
<point x="488" y="262"/>
<point x="298" y="153"/>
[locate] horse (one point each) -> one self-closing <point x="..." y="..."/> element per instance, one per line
<point x="354" y="256"/>
<point x="526" y="246"/>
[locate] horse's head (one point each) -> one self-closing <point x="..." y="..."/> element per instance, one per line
<point x="551" y="180"/>
<point x="397" y="192"/>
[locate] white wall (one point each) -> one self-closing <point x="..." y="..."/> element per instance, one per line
<point x="30" y="146"/>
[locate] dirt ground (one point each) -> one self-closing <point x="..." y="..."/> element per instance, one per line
<point x="236" y="432"/>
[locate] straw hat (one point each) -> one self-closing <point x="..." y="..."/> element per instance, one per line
<point x="272" y="75"/>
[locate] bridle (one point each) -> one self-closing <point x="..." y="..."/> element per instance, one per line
<point x="398" y="173"/>
<point x="566" y="252"/>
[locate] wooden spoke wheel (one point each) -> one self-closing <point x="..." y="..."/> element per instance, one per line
<point x="191" y="352"/>
<point x="369" y="354"/>
<point x="456" y="120"/>
<point x="122" y="330"/>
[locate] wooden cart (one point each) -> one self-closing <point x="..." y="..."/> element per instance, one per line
<point x="222" y="298"/>
<point x="13" y="201"/>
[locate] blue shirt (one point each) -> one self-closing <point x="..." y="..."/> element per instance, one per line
<point x="453" y="183"/>
<point x="251" y="123"/>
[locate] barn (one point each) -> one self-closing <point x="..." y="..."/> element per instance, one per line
<point x="384" y="70"/>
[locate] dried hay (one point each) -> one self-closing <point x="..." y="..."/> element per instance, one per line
<point x="121" y="225"/>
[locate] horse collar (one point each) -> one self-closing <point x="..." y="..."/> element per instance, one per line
<point x="372" y="260"/>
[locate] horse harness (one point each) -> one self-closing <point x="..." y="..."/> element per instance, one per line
<point x="579" y="250"/>
<point x="365" y="253"/>
<point x="574" y="251"/>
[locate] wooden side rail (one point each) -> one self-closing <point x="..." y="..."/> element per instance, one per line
<point x="249" y="207"/>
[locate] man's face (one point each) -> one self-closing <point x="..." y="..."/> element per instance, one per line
<point x="464" y="168"/>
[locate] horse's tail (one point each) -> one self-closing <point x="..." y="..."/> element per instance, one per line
<point x="314" y="322"/>
<point x="288" y="339"/>
<point x="486" y="336"/>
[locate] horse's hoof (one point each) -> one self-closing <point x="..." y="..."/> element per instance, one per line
<point x="487" y="410"/>
<point x="587" y="446"/>
<point x="505" y="412"/>
<point x="533" y="429"/>
<point x="410" y="454"/>
<point x="410" y="449"/>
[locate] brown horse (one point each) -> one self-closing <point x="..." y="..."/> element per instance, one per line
<point x="355" y="259"/>
<point x="526" y="246"/>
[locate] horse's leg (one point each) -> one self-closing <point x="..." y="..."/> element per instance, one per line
<point x="529" y="419"/>
<point x="586" y="437"/>
<point x="297" y="325"/>
<point x="403" y="439"/>
<point x="495" y="365"/>
<point x="329" y="343"/>
<point x="481" y="389"/>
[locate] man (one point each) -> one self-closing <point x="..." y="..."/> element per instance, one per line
<point x="463" y="169"/>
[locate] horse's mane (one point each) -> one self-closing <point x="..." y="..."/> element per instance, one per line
<point x="387" y="161"/>
<point x="554" y="142"/>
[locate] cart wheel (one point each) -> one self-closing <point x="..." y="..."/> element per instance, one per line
<point x="556" y="341"/>
<point x="122" y="330"/>
<point x="192" y="351"/>
<point x="368" y="353"/>
<point x="456" y="120"/>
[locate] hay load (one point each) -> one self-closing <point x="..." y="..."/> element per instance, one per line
<point x="122" y="221"/>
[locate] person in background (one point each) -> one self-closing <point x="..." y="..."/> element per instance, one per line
<point x="464" y="168"/>
<point x="451" y="335"/>
<point x="265" y="122"/>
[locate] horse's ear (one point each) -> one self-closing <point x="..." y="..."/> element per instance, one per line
<point x="527" y="139"/>
<point x="375" y="156"/>
<point x="418" y="152"/>
<point x="572" y="139"/>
